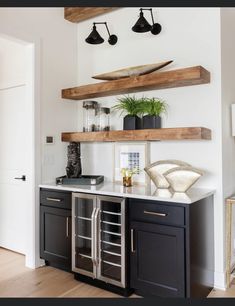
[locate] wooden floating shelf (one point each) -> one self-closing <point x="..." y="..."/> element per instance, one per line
<point x="158" y="80"/>
<point x="77" y="14"/>
<point x="184" y="133"/>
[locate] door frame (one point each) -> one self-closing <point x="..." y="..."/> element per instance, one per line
<point x="32" y="258"/>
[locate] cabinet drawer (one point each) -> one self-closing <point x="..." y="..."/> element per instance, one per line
<point x="56" y="198"/>
<point x="156" y="212"/>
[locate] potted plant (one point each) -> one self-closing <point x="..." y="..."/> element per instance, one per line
<point x="131" y="106"/>
<point x="152" y="108"/>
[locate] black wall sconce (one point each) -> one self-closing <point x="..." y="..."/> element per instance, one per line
<point x="94" y="38"/>
<point x="143" y="26"/>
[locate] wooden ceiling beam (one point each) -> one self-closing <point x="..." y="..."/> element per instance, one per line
<point x="78" y="14"/>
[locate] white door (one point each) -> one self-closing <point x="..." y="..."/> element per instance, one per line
<point x="16" y="148"/>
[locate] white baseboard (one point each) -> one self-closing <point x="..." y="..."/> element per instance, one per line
<point x="34" y="264"/>
<point x="29" y="262"/>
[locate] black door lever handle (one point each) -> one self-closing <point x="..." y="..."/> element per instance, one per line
<point x="23" y="178"/>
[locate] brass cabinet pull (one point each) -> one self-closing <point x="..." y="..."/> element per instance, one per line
<point x="132" y="241"/>
<point x="53" y="199"/>
<point x="67" y="227"/>
<point x="154" y="213"/>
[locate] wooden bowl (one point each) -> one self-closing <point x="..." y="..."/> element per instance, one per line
<point x="131" y="71"/>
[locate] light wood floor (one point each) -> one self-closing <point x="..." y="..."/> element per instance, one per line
<point x="18" y="281"/>
<point x="229" y="293"/>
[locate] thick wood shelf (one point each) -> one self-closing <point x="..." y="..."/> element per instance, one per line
<point x="158" y="80"/>
<point x="77" y="14"/>
<point x="184" y="133"/>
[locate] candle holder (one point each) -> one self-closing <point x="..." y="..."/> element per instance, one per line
<point x="127" y="176"/>
<point x="127" y="181"/>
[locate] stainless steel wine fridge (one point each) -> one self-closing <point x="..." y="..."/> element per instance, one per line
<point x="98" y="243"/>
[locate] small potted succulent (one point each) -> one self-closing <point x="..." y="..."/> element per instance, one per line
<point x="132" y="107"/>
<point x="152" y="108"/>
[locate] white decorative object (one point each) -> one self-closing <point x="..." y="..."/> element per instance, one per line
<point x="182" y="178"/>
<point x="131" y="155"/>
<point x="156" y="170"/>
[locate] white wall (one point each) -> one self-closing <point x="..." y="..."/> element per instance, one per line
<point x="190" y="36"/>
<point x="228" y="98"/>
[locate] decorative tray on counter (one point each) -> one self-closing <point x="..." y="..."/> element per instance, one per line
<point x="82" y="180"/>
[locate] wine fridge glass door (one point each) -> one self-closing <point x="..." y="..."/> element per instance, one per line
<point x="111" y="240"/>
<point x="83" y="210"/>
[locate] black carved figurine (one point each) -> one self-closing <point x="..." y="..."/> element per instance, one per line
<point x="74" y="167"/>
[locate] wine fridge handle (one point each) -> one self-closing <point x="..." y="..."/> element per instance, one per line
<point x="132" y="241"/>
<point x="93" y="246"/>
<point x="96" y="236"/>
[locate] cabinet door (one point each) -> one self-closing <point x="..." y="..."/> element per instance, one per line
<point x="55" y="241"/>
<point x="157" y="260"/>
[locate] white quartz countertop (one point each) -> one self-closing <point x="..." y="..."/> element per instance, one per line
<point x="137" y="192"/>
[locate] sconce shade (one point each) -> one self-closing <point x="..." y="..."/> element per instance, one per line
<point x="141" y="25"/>
<point x="94" y="38"/>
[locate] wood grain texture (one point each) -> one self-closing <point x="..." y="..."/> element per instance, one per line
<point x="229" y="208"/>
<point x="228" y="241"/>
<point x="185" y="133"/>
<point x="77" y="14"/>
<point x="18" y="281"/>
<point x="159" y="80"/>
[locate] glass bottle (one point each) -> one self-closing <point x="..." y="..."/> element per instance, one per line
<point x="89" y="115"/>
<point x="103" y="119"/>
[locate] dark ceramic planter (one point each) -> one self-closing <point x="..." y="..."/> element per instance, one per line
<point x="151" y="122"/>
<point x="132" y="123"/>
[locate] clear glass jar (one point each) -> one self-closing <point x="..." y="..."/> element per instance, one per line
<point x="103" y="119"/>
<point x="89" y="116"/>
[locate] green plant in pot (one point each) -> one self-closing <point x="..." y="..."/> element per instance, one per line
<point x="152" y="108"/>
<point x="133" y="108"/>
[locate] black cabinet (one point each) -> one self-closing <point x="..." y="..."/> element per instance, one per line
<point x="172" y="249"/>
<point x="157" y="259"/>
<point x="55" y="229"/>
<point x="169" y="246"/>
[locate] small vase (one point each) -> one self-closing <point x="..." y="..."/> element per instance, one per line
<point x="127" y="181"/>
<point x="132" y="123"/>
<point x="151" y="122"/>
